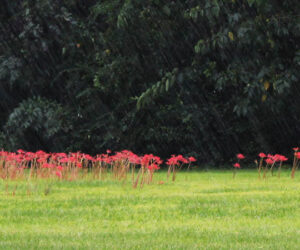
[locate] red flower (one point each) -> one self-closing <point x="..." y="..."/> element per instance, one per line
<point x="40" y="152"/>
<point x="58" y="174"/>
<point x="64" y="160"/>
<point x="60" y="168"/>
<point x="153" y="167"/>
<point x="20" y="151"/>
<point x="283" y="158"/>
<point x="134" y="159"/>
<point x="262" y="155"/>
<point x="88" y="157"/>
<point x="108" y="151"/>
<point x="175" y="160"/>
<point x="192" y="159"/>
<point x="269" y="161"/>
<point x="182" y="159"/>
<point x="240" y="156"/>
<point x="296" y="149"/>
<point x="277" y="157"/>
<point x="46" y="165"/>
<point x="237" y="165"/>
<point x="41" y="160"/>
<point x="297" y="154"/>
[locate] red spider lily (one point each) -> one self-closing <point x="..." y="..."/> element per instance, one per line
<point x="126" y="152"/>
<point x="134" y="159"/>
<point x="145" y="161"/>
<point x="106" y="159"/>
<point x="46" y="165"/>
<point x="269" y="161"/>
<point x="108" y="151"/>
<point x="120" y="156"/>
<point x="240" y="156"/>
<point x="150" y="158"/>
<point x="174" y="162"/>
<point x="270" y="156"/>
<point x="192" y="159"/>
<point x="41" y="160"/>
<point x="295" y="164"/>
<point x="282" y="158"/>
<point x="262" y="155"/>
<point x="296" y="149"/>
<point x="72" y="159"/>
<point x="182" y="159"/>
<point x="60" y="168"/>
<point x="60" y="155"/>
<point x="153" y="167"/>
<point x="58" y="174"/>
<point x="88" y="157"/>
<point x="148" y="162"/>
<point x="20" y="151"/>
<point x="237" y="165"/>
<point x="40" y="153"/>
<point x="276" y="157"/>
<point x="26" y="158"/>
<point x="63" y="160"/>
<point x="297" y="155"/>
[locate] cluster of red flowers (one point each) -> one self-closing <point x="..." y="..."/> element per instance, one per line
<point x="297" y="154"/>
<point x="176" y="161"/>
<point x="239" y="157"/>
<point x="271" y="159"/>
<point x="179" y="159"/>
<point x="62" y="164"/>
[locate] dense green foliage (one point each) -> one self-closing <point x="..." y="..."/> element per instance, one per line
<point x="206" y="210"/>
<point x="209" y="77"/>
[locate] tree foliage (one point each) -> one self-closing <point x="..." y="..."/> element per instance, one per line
<point x="209" y="77"/>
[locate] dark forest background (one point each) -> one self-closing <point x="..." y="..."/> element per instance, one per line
<point x="208" y="78"/>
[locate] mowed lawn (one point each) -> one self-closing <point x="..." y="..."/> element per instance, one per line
<point x="201" y="210"/>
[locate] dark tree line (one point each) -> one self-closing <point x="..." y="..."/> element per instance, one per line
<point x="203" y="77"/>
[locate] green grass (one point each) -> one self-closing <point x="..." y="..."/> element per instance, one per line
<point x="201" y="210"/>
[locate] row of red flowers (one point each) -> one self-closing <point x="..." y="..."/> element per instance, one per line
<point x="271" y="160"/>
<point x="68" y="166"/>
<point x="41" y="156"/>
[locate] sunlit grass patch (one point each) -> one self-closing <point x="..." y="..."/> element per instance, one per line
<point x="206" y="210"/>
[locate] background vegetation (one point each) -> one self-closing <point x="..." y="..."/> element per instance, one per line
<point x="205" y="77"/>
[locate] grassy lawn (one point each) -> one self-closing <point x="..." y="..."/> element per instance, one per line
<point x="201" y="210"/>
